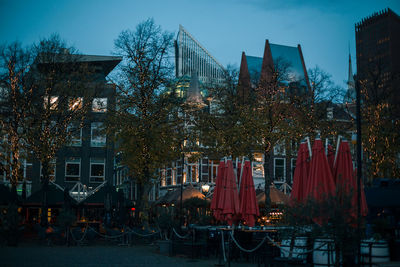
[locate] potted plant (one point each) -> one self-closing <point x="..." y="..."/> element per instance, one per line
<point x="165" y="222"/>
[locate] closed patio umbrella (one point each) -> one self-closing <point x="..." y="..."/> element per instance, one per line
<point x="301" y="174"/>
<point x="248" y="207"/>
<point x="217" y="191"/>
<point x="228" y="201"/>
<point x="320" y="182"/>
<point x="346" y="181"/>
<point x="331" y="156"/>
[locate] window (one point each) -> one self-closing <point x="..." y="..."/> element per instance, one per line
<point x="97" y="170"/>
<point x="75" y="103"/>
<point x="162" y="177"/>
<point x="329" y="113"/>
<point x="72" y="169"/>
<point x="279" y="169"/>
<point x="75" y="132"/>
<point x="51" y="102"/>
<point x="212" y="170"/>
<point x="99" y="105"/>
<point x="98" y="137"/>
<point x="279" y="148"/>
<point x="258" y="165"/>
<point x="293" y="167"/>
<point x="51" y="170"/>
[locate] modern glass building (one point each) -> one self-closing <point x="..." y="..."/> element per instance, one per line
<point x="191" y="56"/>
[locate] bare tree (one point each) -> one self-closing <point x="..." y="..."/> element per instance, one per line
<point x="145" y="130"/>
<point x="62" y="93"/>
<point x="15" y="96"/>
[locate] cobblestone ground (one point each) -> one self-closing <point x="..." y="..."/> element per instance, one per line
<point x="104" y="255"/>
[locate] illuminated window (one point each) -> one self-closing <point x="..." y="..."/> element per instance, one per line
<point x="162" y="177"/>
<point x="75" y="103"/>
<point x="98" y="136"/>
<point x="51" y="169"/>
<point x="51" y="102"/>
<point x="99" y="105"/>
<point x="97" y="170"/>
<point x="75" y="131"/>
<point x="72" y="169"/>
<point x="279" y="169"/>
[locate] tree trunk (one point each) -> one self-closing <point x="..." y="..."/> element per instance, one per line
<point x="267" y="180"/>
<point x="45" y="188"/>
<point x="144" y="204"/>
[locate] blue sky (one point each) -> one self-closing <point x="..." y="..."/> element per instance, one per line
<point x="224" y="27"/>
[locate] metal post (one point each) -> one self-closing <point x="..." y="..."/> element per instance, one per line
<point x="181" y="204"/>
<point x="359" y="169"/>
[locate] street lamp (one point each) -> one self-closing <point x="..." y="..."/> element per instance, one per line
<point x="205" y="188"/>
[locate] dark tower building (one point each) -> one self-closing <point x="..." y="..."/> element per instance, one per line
<point x="378" y="55"/>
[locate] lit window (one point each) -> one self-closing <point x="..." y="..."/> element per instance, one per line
<point x="75" y="103"/>
<point x="75" y="132"/>
<point x="72" y="169"/>
<point x="51" y="169"/>
<point x="98" y="136"/>
<point x="97" y="170"/>
<point x="279" y="169"/>
<point x="99" y="105"/>
<point x="51" y="102"/>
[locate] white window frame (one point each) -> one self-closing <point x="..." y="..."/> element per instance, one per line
<point x="72" y="161"/>
<point x="284" y="169"/>
<point x="52" y="177"/>
<point x="280" y="149"/>
<point x="101" y="141"/>
<point x="99" y="104"/>
<point x="97" y="161"/>
<point x="75" y="142"/>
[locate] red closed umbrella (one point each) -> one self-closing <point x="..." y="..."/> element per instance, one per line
<point x="229" y="199"/>
<point x="301" y="174"/>
<point x="331" y="156"/>
<point x="320" y="182"/>
<point x="217" y="191"/>
<point x="346" y="181"/>
<point x="248" y="206"/>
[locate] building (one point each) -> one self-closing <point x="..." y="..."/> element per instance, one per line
<point x="88" y="160"/>
<point x="289" y="62"/>
<point x="191" y="56"/>
<point x="378" y="54"/>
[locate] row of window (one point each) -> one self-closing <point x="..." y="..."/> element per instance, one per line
<point x="97" y="135"/>
<point x="98" y="104"/>
<point x="72" y="170"/>
<point x="192" y="172"/>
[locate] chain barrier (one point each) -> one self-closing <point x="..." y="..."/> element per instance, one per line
<point x="178" y="235"/>
<point x="83" y="236"/>
<point x="108" y="236"/>
<point x="247" y="250"/>
<point x="141" y="235"/>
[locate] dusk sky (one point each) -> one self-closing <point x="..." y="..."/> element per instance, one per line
<point x="224" y="27"/>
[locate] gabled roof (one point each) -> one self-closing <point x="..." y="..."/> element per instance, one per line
<point x="290" y="55"/>
<point x="282" y="55"/>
